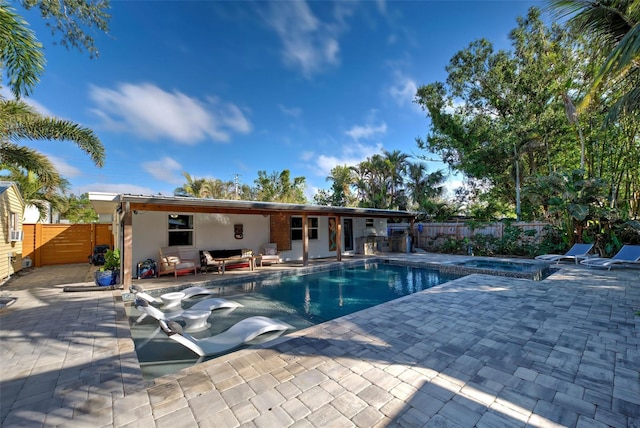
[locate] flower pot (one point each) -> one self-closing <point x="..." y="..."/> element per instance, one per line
<point x="104" y="278"/>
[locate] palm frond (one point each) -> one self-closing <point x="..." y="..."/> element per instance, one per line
<point x="13" y="155"/>
<point x="20" y="52"/>
<point x="35" y="127"/>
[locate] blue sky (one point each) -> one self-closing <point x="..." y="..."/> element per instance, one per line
<point x="224" y="88"/>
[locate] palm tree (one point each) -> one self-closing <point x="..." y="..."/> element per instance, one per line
<point x="191" y="188"/>
<point x="19" y="121"/>
<point x="422" y="186"/>
<point x="43" y="196"/>
<point x="342" y="178"/>
<point x="22" y="60"/>
<point x="217" y="189"/>
<point x="396" y="163"/>
<point x="616" y="24"/>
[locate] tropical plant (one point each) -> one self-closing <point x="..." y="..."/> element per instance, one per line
<point x="615" y="23"/>
<point x="278" y="187"/>
<point x="34" y="191"/>
<point x="111" y="260"/>
<point x="22" y="63"/>
<point x="76" y="209"/>
<point x="342" y="179"/>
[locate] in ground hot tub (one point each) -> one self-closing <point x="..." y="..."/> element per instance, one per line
<point x="533" y="270"/>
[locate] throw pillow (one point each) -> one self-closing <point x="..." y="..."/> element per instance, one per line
<point x="270" y="251"/>
<point x="208" y="257"/>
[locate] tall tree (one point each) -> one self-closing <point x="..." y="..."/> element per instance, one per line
<point x="77" y="209"/>
<point x="43" y="196"/>
<point x="499" y="115"/>
<point x="342" y="179"/>
<point x="22" y="62"/>
<point x="396" y="168"/>
<point x="616" y="24"/>
<point x="190" y="188"/>
<point x="278" y="187"/>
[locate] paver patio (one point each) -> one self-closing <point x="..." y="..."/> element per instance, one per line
<point x="479" y="351"/>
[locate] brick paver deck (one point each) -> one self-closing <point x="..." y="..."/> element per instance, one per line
<point x="479" y="351"/>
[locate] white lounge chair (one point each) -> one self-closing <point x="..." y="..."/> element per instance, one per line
<point x="576" y="253"/>
<point x="238" y="334"/>
<point x="628" y="254"/>
<point x="169" y="299"/>
<point x="269" y="253"/>
<point x="195" y="317"/>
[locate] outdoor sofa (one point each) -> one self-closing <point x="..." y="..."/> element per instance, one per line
<point x="226" y="259"/>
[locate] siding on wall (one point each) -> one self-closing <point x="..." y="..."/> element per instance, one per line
<point x="10" y="201"/>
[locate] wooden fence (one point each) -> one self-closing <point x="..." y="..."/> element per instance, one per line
<point x="425" y="233"/>
<point x="56" y="244"/>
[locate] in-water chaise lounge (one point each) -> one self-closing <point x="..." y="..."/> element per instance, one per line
<point x="628" y="255"/>
<point x="169" y="300"/>
<point x="195" y="317"/>
<point x="238" y="334"/>
<point x="576" y="253"/>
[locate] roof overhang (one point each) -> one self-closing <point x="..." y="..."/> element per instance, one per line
<point x="107" y="203"/>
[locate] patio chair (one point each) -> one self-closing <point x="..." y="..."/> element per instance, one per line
<point x="238" y="334"/>
<point x="628" y="254"/>
<point x="173" y="261"/>
<point x="576" y="253"/>
<point x="269" y="253"/>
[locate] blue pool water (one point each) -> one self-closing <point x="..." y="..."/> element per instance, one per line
<point x="299" y="300"/>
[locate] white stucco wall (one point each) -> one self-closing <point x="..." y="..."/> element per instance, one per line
<point x="211" y="232"/>
<point x="320" y="248"/>
<point x="216" y="232"/>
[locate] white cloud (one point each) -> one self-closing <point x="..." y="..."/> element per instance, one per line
<point x="115" y="188"/>
<point x="403" y="91"/>
<point x="352" y="154"/>
<point x="293" y="112"/>
<point x="165" y="169"/>
<point x="366" y="132"/>
<point x="152" y="113"/>
<point x="63" y="167"/>
<point x="6" y="93"/>
<point x="308" y="43"/>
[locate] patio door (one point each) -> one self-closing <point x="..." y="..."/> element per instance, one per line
<point x="348" y="234"/>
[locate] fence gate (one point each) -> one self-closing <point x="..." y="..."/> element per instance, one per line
<point x="56" y="244"/>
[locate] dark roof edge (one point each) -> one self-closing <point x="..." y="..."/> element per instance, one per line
<point x="264" y="206"/>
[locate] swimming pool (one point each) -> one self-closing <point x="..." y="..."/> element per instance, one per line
<point x="299" y="300"/>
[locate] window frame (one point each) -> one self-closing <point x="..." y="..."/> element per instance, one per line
<point x="173" y="233"/>
<point x="312" y="229"/>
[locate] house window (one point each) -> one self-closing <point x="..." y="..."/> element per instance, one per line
<point x="13" y="221"/>
<point x="296" y="228"/>
<point x="180" y="229"/>
<point x="368" y="222"/>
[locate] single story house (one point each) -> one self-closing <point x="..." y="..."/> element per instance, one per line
<point x="11" y="234"/>
<point x="144" y="224"/>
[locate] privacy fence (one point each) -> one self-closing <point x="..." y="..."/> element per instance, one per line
<point x="435" y="236"/>
<point x="55" y="244"/>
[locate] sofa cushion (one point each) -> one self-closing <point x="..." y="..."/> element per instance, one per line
<point x="208" y="257"/>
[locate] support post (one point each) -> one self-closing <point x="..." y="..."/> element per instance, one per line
<point x="339" y="238"/>
<point x="126" y="260"/>
<point x="305" y="240"/>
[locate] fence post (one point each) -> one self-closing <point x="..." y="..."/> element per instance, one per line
<point x="37" y="256"/>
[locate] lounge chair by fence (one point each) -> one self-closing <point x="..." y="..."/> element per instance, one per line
<point x="628" y="255"/>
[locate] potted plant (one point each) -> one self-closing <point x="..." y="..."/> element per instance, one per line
<point x="109" y="272"/>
